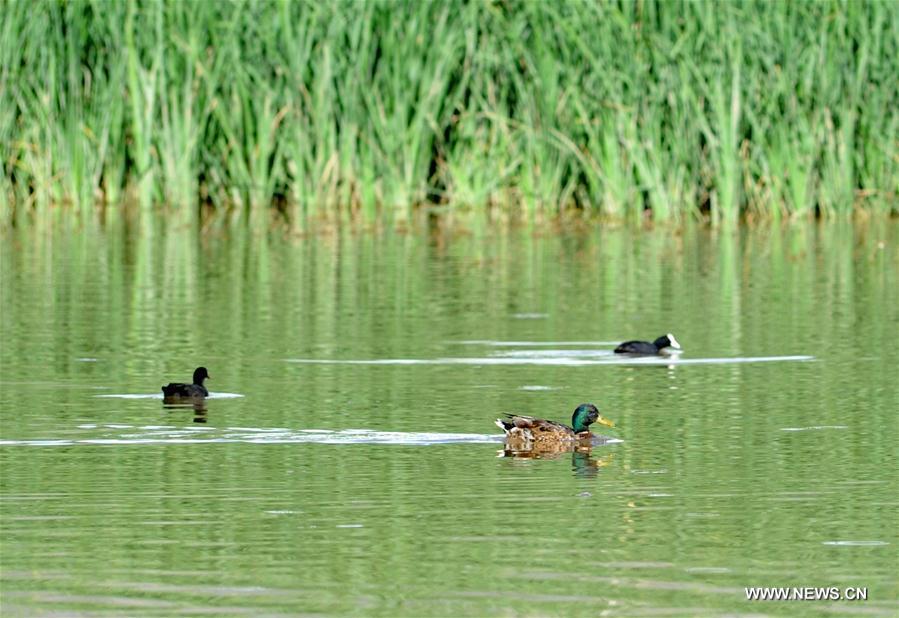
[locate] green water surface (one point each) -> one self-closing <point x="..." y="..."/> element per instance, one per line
<point x="349" y="462"/>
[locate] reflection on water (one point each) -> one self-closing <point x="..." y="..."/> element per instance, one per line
<point x="583" y="462"/>
<point x="364" y="480"/>
<point x="199" y="408"/>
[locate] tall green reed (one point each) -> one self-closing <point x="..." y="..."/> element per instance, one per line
<point x="372" y="109"/>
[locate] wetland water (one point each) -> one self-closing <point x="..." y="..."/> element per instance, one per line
<point x="347" y="463"/>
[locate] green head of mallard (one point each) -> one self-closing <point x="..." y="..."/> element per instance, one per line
<point x="585" y="415"/>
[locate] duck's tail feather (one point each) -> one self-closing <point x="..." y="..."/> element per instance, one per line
<point x="173" y="389"/>
<point x="504" y="425"/>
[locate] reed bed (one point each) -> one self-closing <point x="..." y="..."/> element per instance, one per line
<point x="373" y="109"/>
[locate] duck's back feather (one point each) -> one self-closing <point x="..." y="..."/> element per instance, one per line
<point x="177" y="390"/>
<point x="637" y="347"/>
<point x="530" y="429"/>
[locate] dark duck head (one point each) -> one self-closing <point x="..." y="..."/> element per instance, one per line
<point x="585" y="415"/>
<point x="176" y="391"/>
<point x="666" y="341"/>
<point x="200" y="374"/>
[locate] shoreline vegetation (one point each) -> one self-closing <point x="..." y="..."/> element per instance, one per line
<point x="380" y="111"/>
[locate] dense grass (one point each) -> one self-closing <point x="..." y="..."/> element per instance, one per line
<point x="375" y="108"/>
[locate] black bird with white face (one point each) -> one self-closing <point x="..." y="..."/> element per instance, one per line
<point x="666" y="344"/>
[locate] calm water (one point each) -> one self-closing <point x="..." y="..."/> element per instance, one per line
<point x="348" y="464"/>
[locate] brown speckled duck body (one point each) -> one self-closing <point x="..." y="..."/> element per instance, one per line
<point x="528" y="432"/>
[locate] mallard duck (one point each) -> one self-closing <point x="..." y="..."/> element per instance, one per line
<point x="176" y="391"/>
<point x="526" y="432"/>
<point x="646" y="348"/>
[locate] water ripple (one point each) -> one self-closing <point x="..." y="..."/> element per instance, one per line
<point x="154" y="434"/>
<point x="494" y="342"/>
<point x="553" y="357"/>
<point x="814" y="428"/>
<point x="159" y="396"/>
